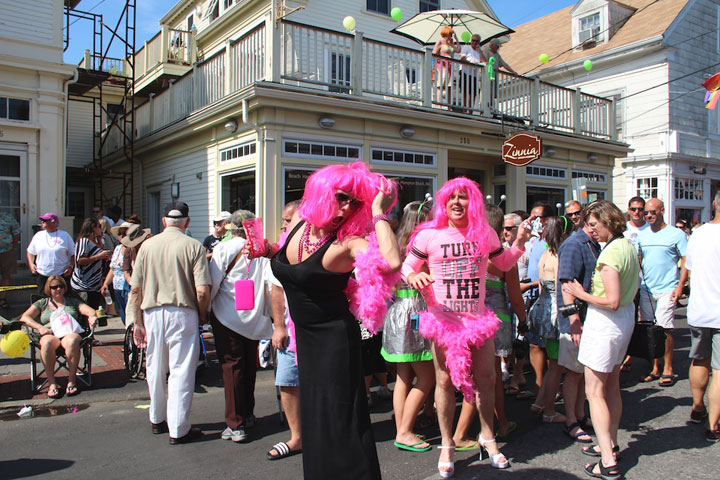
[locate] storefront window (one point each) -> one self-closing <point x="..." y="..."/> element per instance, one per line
<point x="647" y="188"/>
<point x="237" y="191"/>
<point x="547" y="195"/>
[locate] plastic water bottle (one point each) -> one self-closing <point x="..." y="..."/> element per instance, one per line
<point x="108" y="298"/>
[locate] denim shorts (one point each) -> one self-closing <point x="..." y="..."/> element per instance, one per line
<point x="287" y="370"/>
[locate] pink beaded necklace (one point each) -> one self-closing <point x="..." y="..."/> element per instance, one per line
<point x="307" y="245"/>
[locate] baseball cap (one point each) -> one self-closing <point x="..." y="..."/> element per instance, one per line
<point x="176" y="210"/>
<point x="49" y="217"/>
<point x="222" y="216"/>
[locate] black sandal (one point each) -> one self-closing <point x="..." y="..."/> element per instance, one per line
<point x="580" y="432"/>
<point x="591" y="452"/>
<point x="606" y="473"/>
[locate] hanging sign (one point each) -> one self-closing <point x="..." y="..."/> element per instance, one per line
<point x="521" y="149"/>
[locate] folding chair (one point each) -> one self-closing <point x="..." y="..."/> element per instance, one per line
<point x="84" y="370"/>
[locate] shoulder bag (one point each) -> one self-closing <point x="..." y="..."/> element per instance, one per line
<point x="648" y="338"/>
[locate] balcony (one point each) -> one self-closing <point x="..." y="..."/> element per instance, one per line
<point x="337" y="63"/>
<point x="168" y="55"/>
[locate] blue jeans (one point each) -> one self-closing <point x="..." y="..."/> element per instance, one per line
<point x="121" y="299"/>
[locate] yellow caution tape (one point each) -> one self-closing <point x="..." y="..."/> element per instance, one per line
<point x="16" y="287"/>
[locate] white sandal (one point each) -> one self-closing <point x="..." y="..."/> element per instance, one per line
<point x="451" y="465"/>
<point x="494" y="459"/>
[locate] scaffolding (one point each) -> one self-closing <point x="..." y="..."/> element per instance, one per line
<point x="97" y="72"/>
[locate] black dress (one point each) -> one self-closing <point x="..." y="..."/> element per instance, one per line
<point x="337" y="438"/>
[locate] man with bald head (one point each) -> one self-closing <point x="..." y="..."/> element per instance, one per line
<point x="660" y="248"/>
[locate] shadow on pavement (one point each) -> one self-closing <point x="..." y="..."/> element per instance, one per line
<point x="29" y="467"/>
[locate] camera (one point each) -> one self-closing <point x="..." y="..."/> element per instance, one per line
<point x="577" y="307"/>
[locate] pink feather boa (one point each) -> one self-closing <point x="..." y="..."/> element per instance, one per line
<point x="455" y="333"/>
<point x="372" y="288"/>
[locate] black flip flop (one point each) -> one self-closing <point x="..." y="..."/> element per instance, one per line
<point x="651" y="377"/>
<point x="283" y="451"/>
<point x="672" y="378"/>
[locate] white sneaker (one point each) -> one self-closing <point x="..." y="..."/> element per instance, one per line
<point x="237" y="436"/>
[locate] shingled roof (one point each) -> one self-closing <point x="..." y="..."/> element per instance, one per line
<point x="552" y="34"/>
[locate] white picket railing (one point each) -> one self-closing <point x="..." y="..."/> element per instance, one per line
<point x="350" y="64"/>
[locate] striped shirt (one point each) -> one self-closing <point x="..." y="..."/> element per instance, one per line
<point x="87" y="278"/>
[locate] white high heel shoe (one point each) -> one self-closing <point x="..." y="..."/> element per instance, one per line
<point x="495" y="460"/>
<point x="451" y="465"/>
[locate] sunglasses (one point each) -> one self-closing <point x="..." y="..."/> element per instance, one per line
<point x="574" y="214"/>
<point x="217" y="223"/>
<point x="650" y="213"/>
<point x="96" y="211"/>
<point x="344" y="199"/>
<point x="510" y="229"/>
<point x="55" y="287"/>
<point x="636" y="209"/>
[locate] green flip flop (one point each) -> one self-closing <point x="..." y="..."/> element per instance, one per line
<point x="512" y="426"/>
<point x="472" y="446"/>
<point x="412" y="448"/>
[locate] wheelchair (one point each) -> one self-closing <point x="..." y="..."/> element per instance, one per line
<point x="134" y="357"/>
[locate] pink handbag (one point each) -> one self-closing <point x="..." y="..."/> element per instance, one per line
<point x="244" y="289"/>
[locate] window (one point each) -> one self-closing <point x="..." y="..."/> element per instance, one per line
<point x="113" y="110"/>
<point x="190" y="22"/>
<point x="593" y="195"/>
<point x="499" y="170"/>
<point x="428" y="5"/>
<point x="647" y="187"/>
<point x="590" y="28"/>
<point x="340" y="70"/>
<point x="410" y="189"/>
<point x="401" y="156"/>
<point x="295" y="179"/>
<point x="238" y="152"/>
<point x="547" y="195"/>
<point x="325" y="151"/>
<point x="14" y="108"/>
<point x="213" y="10"/>
<point x="591" y="177"/>
<point x="227" y="4"/>
<point x="688" y="189"/>
<point x="237" y="191"/>
<point x="379" y="6"/>
<point x="546" y="172"/>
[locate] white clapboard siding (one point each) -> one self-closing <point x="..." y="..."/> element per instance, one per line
<point x="198" y="193"/>
<point x="695" y="44"/>
<point x="36" y="21"/>
<point x="80" y="134"/>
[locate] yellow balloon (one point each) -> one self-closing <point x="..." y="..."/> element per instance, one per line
<point x="349" y="23"/>
<point x="14" y="343"/>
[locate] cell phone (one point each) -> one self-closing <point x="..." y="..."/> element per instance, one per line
<point x="414" y="322"/>
<point x="537" y="226"/>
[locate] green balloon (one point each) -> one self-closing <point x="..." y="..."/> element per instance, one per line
<point x="466" y="36"/>
<point x="396" y="14"/>
<point x="349" y="23"/>
<point x="544" y="58"/>
<point x="588" y="65"/>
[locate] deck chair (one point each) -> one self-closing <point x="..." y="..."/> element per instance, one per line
<point x="84" y="370"/>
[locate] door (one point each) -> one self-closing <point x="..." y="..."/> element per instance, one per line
<point x="154" y="221"/>
<point x="12" y="189"/>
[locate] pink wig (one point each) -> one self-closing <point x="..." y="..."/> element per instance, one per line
<point x="478" y="229"/>
<point x="318" y="206"/>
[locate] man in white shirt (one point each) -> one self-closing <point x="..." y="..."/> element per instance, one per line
<point x="637" y="223"/>
<point x="471" y="54"/>
<point x="703" y="261"/>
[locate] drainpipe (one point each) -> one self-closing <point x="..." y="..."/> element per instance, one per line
<point x="63" y="173"/>
<point x="260" y="169"/>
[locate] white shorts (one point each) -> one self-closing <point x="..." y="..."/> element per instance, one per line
<point x="659" y="306"/>
<point x="568" y="354"/>
<point x="606" y="336"/>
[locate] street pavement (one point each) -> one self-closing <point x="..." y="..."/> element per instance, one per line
<point x="104" y="432"/>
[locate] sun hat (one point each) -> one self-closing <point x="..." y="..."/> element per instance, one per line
<point x="135" y="235"/>
<point x="117" y="228"/>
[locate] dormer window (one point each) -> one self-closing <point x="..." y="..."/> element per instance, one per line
<point x="590" y="28"/>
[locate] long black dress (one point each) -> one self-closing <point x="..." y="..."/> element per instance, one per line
<point x="337" y="438"/>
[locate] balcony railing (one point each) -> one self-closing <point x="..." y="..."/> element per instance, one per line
<point x="341" y="63"/>
<point x="168" y="46"/>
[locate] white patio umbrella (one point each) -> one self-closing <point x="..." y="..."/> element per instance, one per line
<point x="425" y="27"/>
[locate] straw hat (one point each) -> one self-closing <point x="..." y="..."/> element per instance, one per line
<point x="135" y="236"/>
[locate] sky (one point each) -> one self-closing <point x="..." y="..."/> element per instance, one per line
<point x="149" y="12"/>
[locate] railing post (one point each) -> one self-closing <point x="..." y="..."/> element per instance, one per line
<point x="485" y="93"/>
<point x="534" y="101"/>
<point x="164" y="43"/>
<point x="577" y="126"/>
<point x="612" y="119"/>
<point x="152" y="112"/>
<point x="145" y="54"/>
<point x="195" y="89"/>
<point x="272" y="56"/>
<point x="427" y="87"/>
<point x="356" y="65"/>
<point x="192" y="48"/>
<point x="86" y="60"/>
<point x="229" y="64"/>
<point x="171" y="94"/>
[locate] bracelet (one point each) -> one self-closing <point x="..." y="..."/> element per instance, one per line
<point x="378" y="218"/>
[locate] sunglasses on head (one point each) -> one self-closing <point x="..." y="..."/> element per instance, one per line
<point x="510" y="229"/>
<point x="344" y="198"/>
<point x="635" y="209"/>
<point x="650" y="212"/>
<point x="574" y="214"/>
<point x="56" y="287"/>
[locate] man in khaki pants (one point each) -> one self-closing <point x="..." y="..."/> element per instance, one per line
<point x="169" y="297"/>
